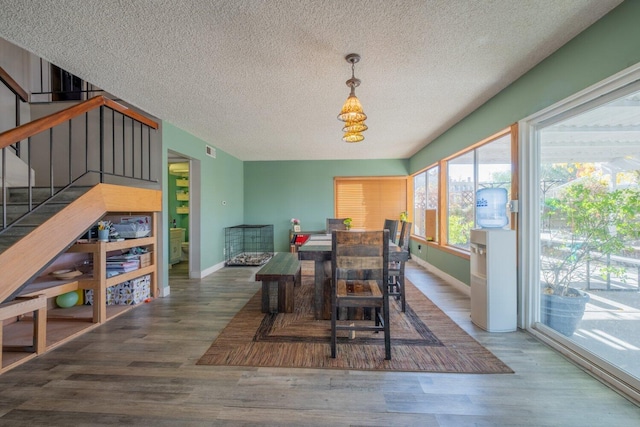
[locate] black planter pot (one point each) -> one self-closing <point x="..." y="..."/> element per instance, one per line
<point x="563" y="313"/>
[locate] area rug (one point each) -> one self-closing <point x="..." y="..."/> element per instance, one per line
<point x="423" y="339"/>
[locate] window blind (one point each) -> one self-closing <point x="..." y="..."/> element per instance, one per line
<point x="369" y="201"/>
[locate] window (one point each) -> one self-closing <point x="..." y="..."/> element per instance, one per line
<point x="460" y="199"/>
<point x="425" y="204"/>
<point x="369" y="201"/>
<point x="488" y="164"/>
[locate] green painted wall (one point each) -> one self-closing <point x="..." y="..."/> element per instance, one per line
<point x="221" y="179"/>
<point x="607" y="47"/>
<point x="275" y="192"/>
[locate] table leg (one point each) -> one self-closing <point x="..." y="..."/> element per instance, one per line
<point x="319" y="289"/>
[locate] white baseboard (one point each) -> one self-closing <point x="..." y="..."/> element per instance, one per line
<point x="164" y="292"/>
<point x="461" y="286"/>
<point x="204" y="273"/>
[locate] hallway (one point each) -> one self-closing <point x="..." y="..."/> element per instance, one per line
<point x="139" y="369"/>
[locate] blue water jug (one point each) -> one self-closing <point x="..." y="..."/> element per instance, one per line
<point x="491" y="208"/>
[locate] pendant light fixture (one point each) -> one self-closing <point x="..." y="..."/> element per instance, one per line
<point x="351" y="112"/>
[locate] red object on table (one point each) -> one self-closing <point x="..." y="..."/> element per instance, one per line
<point x="301" y="238"/>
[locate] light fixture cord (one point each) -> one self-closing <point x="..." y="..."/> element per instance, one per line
<point x="352" y="81"/>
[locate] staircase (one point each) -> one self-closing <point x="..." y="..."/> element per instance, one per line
<point x="25" y="260"/>
<point x="67" y="160"/>
<point x="23" y="220"/>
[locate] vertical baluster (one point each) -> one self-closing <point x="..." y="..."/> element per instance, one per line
<point x="18" y="123"/>
<point x="60" y="90"/>
<point x="102" y="144"/>
<point x="133" y="151"/>
<point x="41" y="77"/>
<point x="149" y="151"/>
<point x="141" y="154"/>
<point x="4" y="187"/>
<point x="113" y="141"/>
<point x="51" y="162"/>
<point x="86" y="142"/>
<point x="70" y="152"/>
<point x="124" y="162"/>
<point x="29" y="183"/>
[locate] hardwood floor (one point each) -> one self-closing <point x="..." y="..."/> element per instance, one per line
<point x="139" y="369"/>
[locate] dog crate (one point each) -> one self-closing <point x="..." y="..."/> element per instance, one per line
<point x="248" y="244"/>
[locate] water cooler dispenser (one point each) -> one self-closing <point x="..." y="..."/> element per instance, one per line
<point x="493" y="265"/>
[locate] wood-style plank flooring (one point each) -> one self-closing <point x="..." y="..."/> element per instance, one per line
<point x="139" y="369"/>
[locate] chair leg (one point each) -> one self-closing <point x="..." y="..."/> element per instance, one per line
<point x="334" y="315"/>
<point x="387" y="329"/>
<point x="400" y="280"/>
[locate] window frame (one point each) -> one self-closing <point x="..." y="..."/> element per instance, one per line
<point x="441" y="242"/>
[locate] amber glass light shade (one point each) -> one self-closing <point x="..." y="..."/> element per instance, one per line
<point x="355" y="127"/>
<point x="353" y="137"/>
<point x="352" y="110"/>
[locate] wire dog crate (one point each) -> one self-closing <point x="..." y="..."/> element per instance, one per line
<point x="248" y="244"/>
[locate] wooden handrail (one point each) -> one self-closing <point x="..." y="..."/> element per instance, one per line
<point x="36" y="126"/>
<point x="13" y="85"/>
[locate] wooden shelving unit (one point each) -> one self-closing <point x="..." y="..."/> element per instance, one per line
<point x="99" y="282"/>
<point x="42" y="326"/>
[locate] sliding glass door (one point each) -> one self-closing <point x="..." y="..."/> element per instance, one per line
<point x="588" y="293"/>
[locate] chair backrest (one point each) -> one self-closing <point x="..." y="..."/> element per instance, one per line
<point x="360" y="255"/>
<point x="405" y="236"/>
<point x="392" y="226"/>
<point x="335" y="224"/>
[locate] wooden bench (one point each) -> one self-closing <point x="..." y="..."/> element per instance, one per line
<point x="278" y="277"/>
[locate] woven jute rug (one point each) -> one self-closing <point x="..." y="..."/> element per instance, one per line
<point x="423" y="339"/>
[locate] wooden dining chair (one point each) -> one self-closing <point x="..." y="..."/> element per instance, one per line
<point x="392" y="226"/>
<point x="359" y="264"/>
<point x="335" y="224"/>
<point x="396" y="269"/>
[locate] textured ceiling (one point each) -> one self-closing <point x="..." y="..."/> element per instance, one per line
<point x="265" y="79"/>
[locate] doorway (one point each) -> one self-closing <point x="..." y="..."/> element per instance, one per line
<point x="180" y="229"/>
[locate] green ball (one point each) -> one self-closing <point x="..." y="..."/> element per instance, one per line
<point x="67" y="300"/>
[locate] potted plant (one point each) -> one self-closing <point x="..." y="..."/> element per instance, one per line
<point x="104" y="228"/>
<point x="586" y="224"/>
<point x="347" y="222"/>
<point x="295" y="224"/>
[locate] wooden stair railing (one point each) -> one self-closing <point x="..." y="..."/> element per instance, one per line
<point x="123" y="163"/>
<point x="36" y="126"/>
<point x="13" y="86"/>
<point x="21" y="95"/>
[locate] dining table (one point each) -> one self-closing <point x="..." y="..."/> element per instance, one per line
<point x="318" y="249"/>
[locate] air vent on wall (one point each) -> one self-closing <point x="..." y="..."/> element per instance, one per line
<point x="211" y="152"/>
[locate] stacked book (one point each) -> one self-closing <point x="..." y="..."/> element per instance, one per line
<point x="124" y="263"/>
